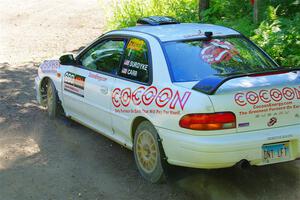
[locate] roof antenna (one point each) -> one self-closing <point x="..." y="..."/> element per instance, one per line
<point x="208" y="35"/>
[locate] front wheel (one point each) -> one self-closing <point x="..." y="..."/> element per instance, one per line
<point x="148" y="153"/>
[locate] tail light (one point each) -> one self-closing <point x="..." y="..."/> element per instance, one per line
<point x="211" y="121"/>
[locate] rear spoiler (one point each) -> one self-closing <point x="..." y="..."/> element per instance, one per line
<point x="211" y="84"/>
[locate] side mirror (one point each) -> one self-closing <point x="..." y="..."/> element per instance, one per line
<point x="67" y="59"/>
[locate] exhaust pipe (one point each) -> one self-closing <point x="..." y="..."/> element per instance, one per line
<point x="243" y="164"/>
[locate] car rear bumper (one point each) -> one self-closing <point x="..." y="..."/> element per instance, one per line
<point x="221" y="151"/>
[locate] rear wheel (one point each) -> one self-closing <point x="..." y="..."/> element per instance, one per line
<point x="52" y="100"/>
<point x="148" y="153"/>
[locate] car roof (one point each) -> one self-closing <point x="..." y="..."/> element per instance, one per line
<point x="183" y="31"/>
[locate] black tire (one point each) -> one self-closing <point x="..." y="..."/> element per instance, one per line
<point x="52" y="101"/>
<point x="149" y="156"/>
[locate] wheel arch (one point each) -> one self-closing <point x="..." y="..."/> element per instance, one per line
<point x="135" y="123"/>
<point x="43" y="92"/>
<point x="163" y="158"/>
<point x="43" y="89"/>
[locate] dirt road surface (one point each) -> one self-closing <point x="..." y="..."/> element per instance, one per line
<point x="59" y="159"/>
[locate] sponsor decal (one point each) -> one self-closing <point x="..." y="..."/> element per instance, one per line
<point x="49" y="66"/>
<point x="267" y="103"/>
<point x="194" y="35"/>
<point x="97" y="77"/>
<point x="246" y="124"/>
<point x="147" y="96"/>
<point x="280" y="137"/>
<point x="264" y="115"/>
<point x="135" y="44"/>
<point x="74" y="83"/>
<point x="200" y="34"/>
<point x="267" y="96"/>
<point x="216" y="51"/>
<point x="272" y="121"/>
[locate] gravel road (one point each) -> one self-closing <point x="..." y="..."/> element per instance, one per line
<point x="60" y="159"/>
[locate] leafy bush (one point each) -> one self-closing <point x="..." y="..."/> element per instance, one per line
<point x="221" y="10"/>
<point x="287" y="8"/>
<point x="280" y="37"/>
<point x="127" y="12"/>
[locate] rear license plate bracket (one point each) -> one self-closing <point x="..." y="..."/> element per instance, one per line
<point x="276" y="152"/>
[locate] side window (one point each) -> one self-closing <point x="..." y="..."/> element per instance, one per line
<point x="104" y="57"/>
<point x="135" y="63"/>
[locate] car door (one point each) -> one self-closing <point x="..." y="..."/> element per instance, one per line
<point x="135" y="75"/>
<point x="96" y="76"/>
<point x="73" y="91"/>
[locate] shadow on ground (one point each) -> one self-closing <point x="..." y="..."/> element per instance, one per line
<point x="60" y="159"/>
<point x="280" y="181"/>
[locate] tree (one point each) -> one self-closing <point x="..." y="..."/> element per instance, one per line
<point x="203" y="5"/>
<point x="255" y="11"/>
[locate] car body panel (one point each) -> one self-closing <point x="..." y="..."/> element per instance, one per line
<point x="225" y="150"/>
<point x="110" y="104"/>
<point x="257" y="101"/>
<point x="183" y="31"/>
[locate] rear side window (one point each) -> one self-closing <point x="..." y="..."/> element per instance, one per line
<point x="135" y="65"/>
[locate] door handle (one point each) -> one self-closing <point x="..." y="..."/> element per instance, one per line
<point x="103" y="89"/>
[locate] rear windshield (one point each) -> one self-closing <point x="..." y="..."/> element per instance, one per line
<point x="198" y="59"/>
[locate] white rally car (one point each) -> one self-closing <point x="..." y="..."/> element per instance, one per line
<point x="194" y="95"/>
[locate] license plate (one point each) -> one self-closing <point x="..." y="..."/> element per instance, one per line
<point x="273" y="153"/>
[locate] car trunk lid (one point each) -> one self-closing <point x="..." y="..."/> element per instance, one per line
<point x="260" y="101"/>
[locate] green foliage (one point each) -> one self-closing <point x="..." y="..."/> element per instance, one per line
<point x="278" y="33"/>
<point x="287" y="8"/>
<point x="280" y="37"/>
<point x="126" y="12"/>
<point x="233" y="14"/>
<point x="221" y="10"/>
